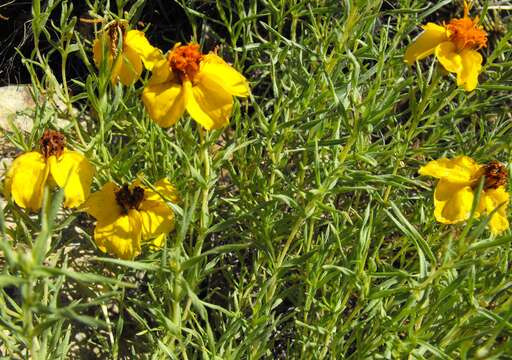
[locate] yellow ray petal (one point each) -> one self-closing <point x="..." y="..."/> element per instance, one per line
<point x="80" y="172"/>
<point x="209" y="107"/>
<point x="161" y="73"/>
<point x="156" y="218"/>
<point x="158" y="242"/>
<point x="495" y="198"/>
<point x="164" y="102"/>
<point x="452" y="202"/>
<point x="471" y="67"/>
<point x="462" y="169"/>
<point x="26" y="179"/>
<point x="216" y="73"/>
<point x="121" y="237"/>
<point x="425" y="43"/>
<point x="448" y="56"/>
<point x="128" y="67"/>
<point x="102" y="205"/>
<point x="164" y="188"/>
<point x="136" y="40"/>
<point x="97" y="50"/>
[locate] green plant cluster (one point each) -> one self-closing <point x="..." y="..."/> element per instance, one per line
<point x="303" y="229"/>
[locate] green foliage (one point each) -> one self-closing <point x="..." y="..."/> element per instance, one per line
<point x="303" y="230"/>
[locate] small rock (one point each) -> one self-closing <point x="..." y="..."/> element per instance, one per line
<point x="17" y="107"/>
<point x="80" y="337"/>
<point x="15" y="99"/>
<point x="113" y="308"/>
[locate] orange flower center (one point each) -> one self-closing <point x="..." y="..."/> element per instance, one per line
<point x="496" y="175"/>
<point x="129" y="199"/>
<point x="466" y="33"/>
<point x="184" y="61"/>
<point x="52" y="143"/>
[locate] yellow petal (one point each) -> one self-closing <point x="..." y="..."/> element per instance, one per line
<point x="164" y="102"/>
<point x="461" y="170"/>
<point x="96" y="51"/>
<point x="425" y="43"/>
<point x="128" y="67"/>
<point x="495" y="198"/>
<point x="72" y="172"/>
<point x="163" y="188"/>
<point x="121" y="237"/>
<point x="101" y="47"/>
<point x="471" y="67"/>
<point x="161" y="73"/>
<point x="158" y="242"/>
<point x="452" y="202"/>
<point x="102" y="205"/>
<point x="209" y="107"/>
<point x="448" y="56"/>
<point x="136" y="40"/>
<point x="128" y="64"/>
<point x="216" y="73"/>
<point x="157" y="218"/>
<point x="26" y="179"/>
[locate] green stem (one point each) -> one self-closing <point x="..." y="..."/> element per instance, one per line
<point x="415" y="121"/>
<point x="205" y="213"/>
<point x="69" y="108"/>
<point x="28" y="319"/>
<point x="65" y="81"/>
<point x="176" y="306"/>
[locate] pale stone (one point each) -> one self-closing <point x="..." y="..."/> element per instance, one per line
<point x="17" y="107"/>
<point x="13" y="100"/>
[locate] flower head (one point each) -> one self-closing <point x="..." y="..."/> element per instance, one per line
<point x="185" y="61"/>
<point x="454" y="44"/>
<point x="202" y="84"/>
<point x="52" y="164"/>
<point x="130" y="215"/>
<point x="455" y="191"/>
<point x="465" y="33"/>
<point x="129" y="50"/>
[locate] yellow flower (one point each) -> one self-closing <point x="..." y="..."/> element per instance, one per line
<point x="204" y="85"/>
<point x="135" y="51"/>
<point x="454" y="193"/>
<point x="127" y="216"/>
<point x="53" y="164"/>
<point x="454" y="44"/>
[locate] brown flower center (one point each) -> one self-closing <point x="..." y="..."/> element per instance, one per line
<point x="184" y="61"/>
<point x="496" y="175"/>
<point x="114" y="30"/>
<point x="52" y="143"/>
<point x="466" y="33"/>
<point x="129" y="199"/>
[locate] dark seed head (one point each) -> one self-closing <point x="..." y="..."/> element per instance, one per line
<point x="52" y="143"/>
<point x="114" y="30"/>
<point x="129" y="199"/>
<point x="496" y="175"/>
